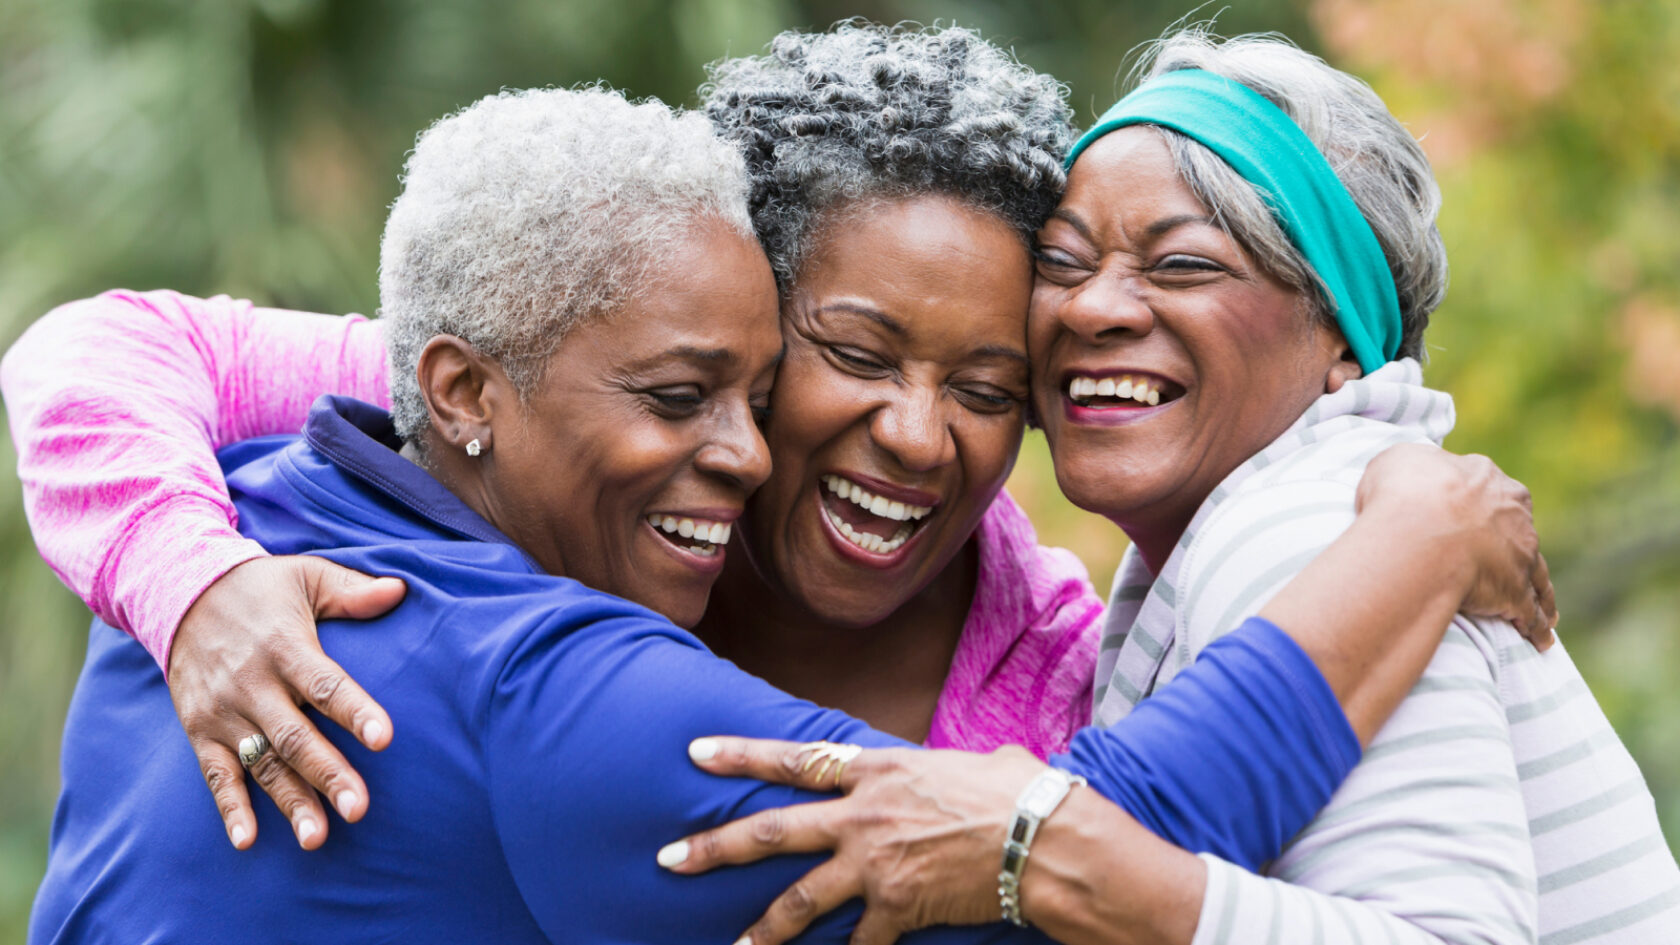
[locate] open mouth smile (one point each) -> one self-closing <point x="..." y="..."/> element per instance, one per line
<point x="1121" y="391"/>
<point x="868" y="521"/>
<point x="695" y="536"/>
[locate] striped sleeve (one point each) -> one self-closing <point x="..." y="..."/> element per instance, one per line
<point x="1427" y="840"/>
<point x="1605" y="871"/>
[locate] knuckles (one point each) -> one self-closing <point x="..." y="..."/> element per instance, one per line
<point x="289" y="740"/>
<point x="769" y="827"/>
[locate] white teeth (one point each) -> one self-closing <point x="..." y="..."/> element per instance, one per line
<point x="874" y="504"/>
<point x="866" y="541"/>
<point x="1141" y="390"/>
<point x="707" y="535"/>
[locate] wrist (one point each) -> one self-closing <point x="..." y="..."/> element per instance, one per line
<point x="1036" y="802"/>
<point x="1098" y="877"/>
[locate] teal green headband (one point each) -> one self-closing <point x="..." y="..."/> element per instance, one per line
<point x="1271" y="152"/>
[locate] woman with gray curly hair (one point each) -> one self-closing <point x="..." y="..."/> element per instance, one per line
<point x="583" y="334"/>
<point x="896" y="179"/>
<point x="1249" y="239"/>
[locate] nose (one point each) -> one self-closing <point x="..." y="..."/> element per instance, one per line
<point x="737" y="451"/>
<point x="914" y="429"/>
<point x="1106" y="306"/>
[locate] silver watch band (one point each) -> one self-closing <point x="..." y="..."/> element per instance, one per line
<point x="1042" y="795"/>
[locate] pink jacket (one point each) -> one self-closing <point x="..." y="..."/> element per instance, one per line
<point x="117" y="404"/>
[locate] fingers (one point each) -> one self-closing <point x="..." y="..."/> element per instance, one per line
<point x="816" y="893"/>
<point x="339" y="592"/>
<point x="226" y="778"/>
<point x="1546" y="608"/>
<point x="295" y="798"/>
<point x="325" y="685"/>
<point x="795" y="763"/>
<point x="874" y="927"/>
<point x="801" y="828"/>
<point x="301" y="747"/>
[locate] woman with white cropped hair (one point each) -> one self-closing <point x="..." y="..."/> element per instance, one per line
<point x="895" y="177"/>
<point x="1251" y="235"/>
<point x="591" y="333"/>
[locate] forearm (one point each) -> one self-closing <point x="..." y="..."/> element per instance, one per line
<point x="117" y="404"/>
<point x="1097" y="877"/>
<point x="1371" y="609"/>
<point x="1235" y="757"/>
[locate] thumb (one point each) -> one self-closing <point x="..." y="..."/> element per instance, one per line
<point x="340" y="592"/>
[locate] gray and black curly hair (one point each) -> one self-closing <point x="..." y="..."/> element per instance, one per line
<point x="530" y="211"/>
<point x="865" y="112"/>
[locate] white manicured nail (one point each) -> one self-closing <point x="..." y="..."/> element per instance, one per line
<point x="239" y="835"/>
<point x="673" y="854"/>
<point x="703" y="749"/>
<point x="345" y="801"/>
<point x="372" y="732"/>
<point x="306" y="830"/>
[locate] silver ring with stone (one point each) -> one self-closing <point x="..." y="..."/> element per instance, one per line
<point x="252" y="748"/>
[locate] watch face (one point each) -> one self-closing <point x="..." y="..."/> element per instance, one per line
<point x="1040" y="797"/>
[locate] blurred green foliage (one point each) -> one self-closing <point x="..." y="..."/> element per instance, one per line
<point x="251" y="147"/>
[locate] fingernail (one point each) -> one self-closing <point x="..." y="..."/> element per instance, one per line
<point x="703" y="749"/>
<point x="239" y="834"/>
<point x="372" y="731"/>
<point x="306" y="830"/>
<point x="673" y="854"/>
<point x="345" y="801"/>
<point x="744" y="940"/>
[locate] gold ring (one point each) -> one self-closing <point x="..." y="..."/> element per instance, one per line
<point x="827" y="756"/>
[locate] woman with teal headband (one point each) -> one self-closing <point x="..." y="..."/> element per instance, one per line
<point x="1226" y="327"/>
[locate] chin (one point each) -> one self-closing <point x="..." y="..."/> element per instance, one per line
<point x="684" y="613"/>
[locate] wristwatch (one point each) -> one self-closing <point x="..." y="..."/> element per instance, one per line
<point x="1042" y="795"/>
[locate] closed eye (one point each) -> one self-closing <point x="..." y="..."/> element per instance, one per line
<point x="675" y="402"/>
<point x="855" y="360"/>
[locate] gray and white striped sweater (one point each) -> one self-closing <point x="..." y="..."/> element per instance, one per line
<point x="1496" y="806"/>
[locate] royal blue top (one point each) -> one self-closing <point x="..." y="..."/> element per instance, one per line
<point x="540" y="758"/>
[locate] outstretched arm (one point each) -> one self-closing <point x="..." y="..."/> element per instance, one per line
<point x="117" y="405"/>
<point x="916" y="824"/>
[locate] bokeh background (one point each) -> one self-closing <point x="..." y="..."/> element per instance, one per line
<point x="252" y="146"/>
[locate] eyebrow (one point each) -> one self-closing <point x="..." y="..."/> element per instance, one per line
<point x="1172" y="223"/>
<point x="1001" y="352"/>
<point x="1072" y="219"/>
<point x="875" y="315"/>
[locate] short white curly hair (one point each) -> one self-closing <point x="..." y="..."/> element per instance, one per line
<point x="530" y="211"/>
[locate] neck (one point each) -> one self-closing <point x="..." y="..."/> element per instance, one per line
<point x="889" y="674"/>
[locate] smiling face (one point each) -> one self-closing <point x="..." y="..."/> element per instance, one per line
<point x="899" y="409"/>
<point x="1163" y="356"/>
<point x="629" y="464"/>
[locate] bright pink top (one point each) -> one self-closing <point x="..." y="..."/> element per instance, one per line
<point x="117" y="404"/>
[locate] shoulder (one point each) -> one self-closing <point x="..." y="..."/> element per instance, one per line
<point x="1254" y="542"/>
<point x="1024" y="580"/>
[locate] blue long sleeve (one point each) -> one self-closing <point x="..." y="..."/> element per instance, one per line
<point x="1232" y="758"/>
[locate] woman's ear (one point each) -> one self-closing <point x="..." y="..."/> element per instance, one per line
<point x="1341" y="364"/>
<point x="463" y="390"/>
<point x="1345" y="368"/>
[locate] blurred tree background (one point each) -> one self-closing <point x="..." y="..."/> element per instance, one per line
<point x="252" y="146"/>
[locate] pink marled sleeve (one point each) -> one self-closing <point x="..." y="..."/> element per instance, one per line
<point x="117" y="405"/>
